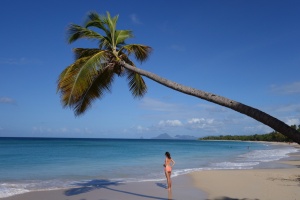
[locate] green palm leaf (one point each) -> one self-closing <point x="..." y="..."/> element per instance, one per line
<point x="112" y="23"/>
<point x="95" y="20"/>
<point x="122" y="35"/>
<point x="67" y="79"/>
<point x="105" y="43"/>
<point x="84" y="52"/>
<point x="99" y="86"/>
<point x="77" y="32"/>
<point x="136" y="83"/>
<point x="141" y="52"/>
<point x="83" y="75"/>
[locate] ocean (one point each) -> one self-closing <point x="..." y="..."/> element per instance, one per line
<point x="32" y="164"/>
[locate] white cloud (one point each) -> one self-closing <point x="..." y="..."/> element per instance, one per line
<point x="201" y="123"/>
<point x="63" y="130"/>
<point x="203" y="118"/>
<point x="289" y="113"/>
<point x="7" y="100"/>
<point x="288" y="89"/>
<point x="135" y="19"/>
<point x="142" y="129"/>
<point x="293" y="121"/>
<point x="171" y="123"/>
<point x="196" y="121"/>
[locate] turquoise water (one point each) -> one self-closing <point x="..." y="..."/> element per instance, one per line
<point x="28" y="164"/>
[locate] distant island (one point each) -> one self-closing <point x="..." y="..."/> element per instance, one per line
<point x="269" y="137"/>
<point x="165" y="136"/>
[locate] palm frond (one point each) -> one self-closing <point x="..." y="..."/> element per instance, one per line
<point x="105" y="43"/>
<point x="61" y="78"/>
<point x="122" y="35"/>
<point x="66" y="80"/>
<point x="95" y="20"/>
<point x="136" y="83"/>
<point x="112" y="23"/>
<point x="141" y="52"/>
<point x="66" y="84"/>
<point x="76" y="32"/>
<point x="85" y="52"/>
<point x="99" y="86"/>
<point x="80" y="77"/>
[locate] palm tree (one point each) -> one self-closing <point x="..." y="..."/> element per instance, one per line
<point x="94" y="69"/>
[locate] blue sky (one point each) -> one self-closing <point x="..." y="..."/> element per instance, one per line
<point x="248" y="51"/>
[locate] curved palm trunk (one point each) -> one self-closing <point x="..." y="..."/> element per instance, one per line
<point x="260" y="116"/>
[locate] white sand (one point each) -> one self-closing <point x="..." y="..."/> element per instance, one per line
<point x="258" y="184"/>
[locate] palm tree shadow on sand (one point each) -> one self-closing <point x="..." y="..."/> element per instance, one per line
<point x="162" y="185"/>
<point x="229" y="198"/>
<point x="84" y="187"/>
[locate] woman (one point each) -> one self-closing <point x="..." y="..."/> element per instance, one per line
<point x="169" y="163"/>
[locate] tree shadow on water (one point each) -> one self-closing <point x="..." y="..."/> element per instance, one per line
<point x="84" y="187"/>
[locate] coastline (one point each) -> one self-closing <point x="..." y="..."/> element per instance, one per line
<point x="281" y="181"/>
<point x="252" y="184"/>
<point x="183" y="188"/>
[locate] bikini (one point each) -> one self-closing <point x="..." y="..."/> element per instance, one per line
<point x="168" y="168"/>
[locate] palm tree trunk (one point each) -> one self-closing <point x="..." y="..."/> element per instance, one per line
<point x="254" y="113"/>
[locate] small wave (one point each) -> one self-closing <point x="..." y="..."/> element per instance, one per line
<point x="12" y="189"/>
<point x="235" y="165"/>
<point x="267" y="155"/>
<point x="185" y="171"/>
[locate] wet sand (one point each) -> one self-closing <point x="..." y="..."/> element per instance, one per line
<point x="101" y="190"/>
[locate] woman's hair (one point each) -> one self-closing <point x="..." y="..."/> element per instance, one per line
<point x="168" y="155"/>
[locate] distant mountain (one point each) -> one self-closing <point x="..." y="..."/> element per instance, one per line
<point x="163" y="136"/>
<point x="185" y="137"/>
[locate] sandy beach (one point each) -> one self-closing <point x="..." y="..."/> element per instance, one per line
<point x="256" y="184"/>
<point x="103" y="190"/>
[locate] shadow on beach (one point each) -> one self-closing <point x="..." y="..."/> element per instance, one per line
<point x="85" y="187"/>
<point x="162" y="185"/>
<point x="228" y="198"/>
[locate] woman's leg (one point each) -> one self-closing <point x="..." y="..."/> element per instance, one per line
<point x="166" y="173"/>
<point x="169" y="180"/>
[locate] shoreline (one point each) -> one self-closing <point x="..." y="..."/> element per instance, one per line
<point x="182" y="188"/>
<point x="246" y="184"/>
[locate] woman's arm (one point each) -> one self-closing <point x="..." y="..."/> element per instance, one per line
<point x="173" y="162"/>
